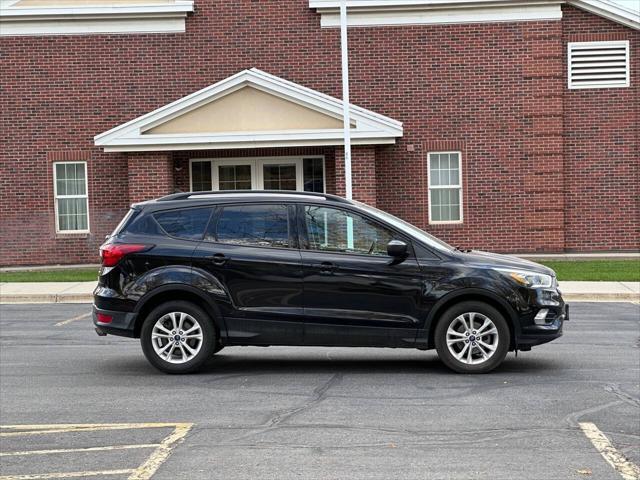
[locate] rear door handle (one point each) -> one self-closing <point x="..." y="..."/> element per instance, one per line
<point x="219" y="259"/>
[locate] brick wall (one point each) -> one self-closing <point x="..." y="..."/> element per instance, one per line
<point x="602" y="148"/>
<point x="363" y="173"/>
<point x="150" y="175"/>
<point x="492" y="91"/>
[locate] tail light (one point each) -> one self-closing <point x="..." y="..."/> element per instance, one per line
<point x="103" y="318"/>
<point x="112" y="253"/>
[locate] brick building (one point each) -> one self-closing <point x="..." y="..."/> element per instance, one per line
<point x="506" y="126"/>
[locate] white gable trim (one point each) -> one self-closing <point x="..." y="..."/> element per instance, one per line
<point x="77" y="20"/>
<point x="370" y="127"/>
<point x="405" y="12"/>
<point x="611" y="11"/>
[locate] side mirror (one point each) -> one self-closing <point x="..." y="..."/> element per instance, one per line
<point x="397" y="249"/>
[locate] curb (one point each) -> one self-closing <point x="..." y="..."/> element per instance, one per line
<point x="601" y="297"/>
<point x="88" y="298"/>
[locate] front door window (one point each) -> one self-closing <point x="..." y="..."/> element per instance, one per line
<point x="274" y="173"/>
<point x="335" y="230"/>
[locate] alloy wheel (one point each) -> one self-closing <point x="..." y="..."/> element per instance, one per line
<point x="472" y="338"/>
<point x="177" y="337"/>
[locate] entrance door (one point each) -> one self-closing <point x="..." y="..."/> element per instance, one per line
<point x="234" y="175"/>
<point x="303" y="174"/>
<point x="276" y="174"/>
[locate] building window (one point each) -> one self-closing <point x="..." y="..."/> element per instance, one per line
<point x="313" y="175"/>
<point x="445" y="187"/>
<point x="201" y="176"/>
<point x="71" y="198"/>
<point x="598" y="64"/>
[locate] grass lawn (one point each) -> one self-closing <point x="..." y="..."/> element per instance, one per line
<point x="596" y="270"/>
<point x="591" y="270"/>
<point x="67" y="275"/>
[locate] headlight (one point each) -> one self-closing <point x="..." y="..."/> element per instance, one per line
<point x="527" y="278"/>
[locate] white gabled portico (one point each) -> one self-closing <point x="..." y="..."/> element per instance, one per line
<point x="251" y="109"/>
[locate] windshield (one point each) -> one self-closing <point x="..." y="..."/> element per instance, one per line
<point x="407" y="227"/>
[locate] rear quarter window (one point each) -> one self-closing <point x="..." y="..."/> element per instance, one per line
<point x="185" y="223"/>
<point x="126" y="221"/>
<point x="143" y="225"/>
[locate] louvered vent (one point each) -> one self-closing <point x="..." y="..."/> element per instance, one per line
<point x="598" y="64"/>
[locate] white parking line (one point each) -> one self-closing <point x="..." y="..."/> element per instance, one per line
<point x="69" y="320"/>
<point x="628" y="470"/>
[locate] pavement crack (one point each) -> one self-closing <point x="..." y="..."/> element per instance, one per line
<point x="572" y="418"/>
<point x="624" y="396"/>
<point x="318" y="395"/>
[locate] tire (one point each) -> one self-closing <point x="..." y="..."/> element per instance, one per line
<point x="462" y="356"/>
<point x="182" y="353"/>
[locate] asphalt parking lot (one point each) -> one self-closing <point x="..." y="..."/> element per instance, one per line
<point x="73" y="402"/>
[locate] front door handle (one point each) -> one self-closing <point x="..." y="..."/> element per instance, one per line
<point x="219" y="259"/>
<point x="327" y="268"/>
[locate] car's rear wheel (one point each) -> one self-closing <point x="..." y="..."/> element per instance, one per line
<point x="178" y="337"/>
<point x="472" y="337"/>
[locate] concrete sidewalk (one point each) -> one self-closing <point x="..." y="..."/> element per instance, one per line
<point x="81" y="292"/>
<point x="47" y="292"/>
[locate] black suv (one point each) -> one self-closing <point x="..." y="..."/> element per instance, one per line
<point x="192" y="273"/>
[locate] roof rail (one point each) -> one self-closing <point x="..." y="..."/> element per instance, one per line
<point x="209" y="194"/>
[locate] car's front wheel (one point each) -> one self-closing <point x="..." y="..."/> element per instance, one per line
<point x="178" y="337"/>
<point x="472" y="337"/>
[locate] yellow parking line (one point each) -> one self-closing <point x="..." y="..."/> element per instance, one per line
<point x="63" y="428"/>
<point x="160" y="455"/>
<point x="72" y="450"/>
<point x="628" y="470"/>
<point x="145" y="471"/>
<point x="42" y="476"/>
<point x="69" y="320"/>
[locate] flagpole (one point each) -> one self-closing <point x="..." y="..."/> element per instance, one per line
<point x="345" y="99"/>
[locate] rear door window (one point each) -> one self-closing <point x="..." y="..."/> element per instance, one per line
<point x="257" y="225"/>
<point x="187" y="223"/>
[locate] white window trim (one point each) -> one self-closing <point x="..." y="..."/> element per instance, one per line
<point x="614" y="43"/>
<point x="257" y="180"/>
<point x="438" y="187"/>
<point x="56" y="197"/>
<point x="88" y="19"/>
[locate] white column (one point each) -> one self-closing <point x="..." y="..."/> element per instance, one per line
<point x="345" y="99"/>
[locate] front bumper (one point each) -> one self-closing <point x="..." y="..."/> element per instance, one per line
<point x="121" y="324"/>
<point x="534" y="332"/>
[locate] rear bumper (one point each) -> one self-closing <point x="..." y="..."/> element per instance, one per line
<point x="121" y="324"/>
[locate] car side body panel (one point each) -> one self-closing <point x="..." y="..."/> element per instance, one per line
<point x="261" y="295"/>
